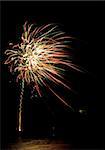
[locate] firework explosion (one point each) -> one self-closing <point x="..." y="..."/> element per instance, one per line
<point x="41" y="55"/>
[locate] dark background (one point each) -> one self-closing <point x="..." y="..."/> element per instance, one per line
<point x="85" y="21"/>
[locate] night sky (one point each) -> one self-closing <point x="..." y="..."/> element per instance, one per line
<point x="85" y="22"/>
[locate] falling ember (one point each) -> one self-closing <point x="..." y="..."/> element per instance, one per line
<point x="42" y="54"/>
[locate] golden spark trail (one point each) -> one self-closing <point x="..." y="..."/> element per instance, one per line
<point x="20" y="107"/>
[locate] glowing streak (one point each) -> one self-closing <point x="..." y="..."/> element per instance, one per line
<point x="60" y="98"/>
<point x="20" y="107"/>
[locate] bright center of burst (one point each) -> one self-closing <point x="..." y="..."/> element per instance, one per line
<point x="31" y="59"/>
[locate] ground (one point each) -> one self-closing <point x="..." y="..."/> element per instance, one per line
<point x="44" y="144"/>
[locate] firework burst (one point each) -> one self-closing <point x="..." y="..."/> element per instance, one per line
<point x="41" y="55"/>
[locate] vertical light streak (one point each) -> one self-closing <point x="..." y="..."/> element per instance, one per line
<point x="20" y="107"/>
